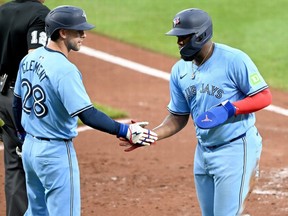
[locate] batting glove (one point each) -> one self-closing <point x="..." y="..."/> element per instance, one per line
<point x="216" y="115"/>
<point x="130" y="145"/>
<point x="136" y="134"/>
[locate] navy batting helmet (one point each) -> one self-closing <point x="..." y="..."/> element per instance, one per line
<point x="66" y="17"/>
<point x="193" y="22"/>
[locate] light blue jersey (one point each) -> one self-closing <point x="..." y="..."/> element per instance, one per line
<point x="229" y="74"/>
<point x="52" y="94"/>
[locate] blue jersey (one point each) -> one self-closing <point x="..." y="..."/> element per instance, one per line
<point x="52" y="94"/>
<point x="229" y="74"/>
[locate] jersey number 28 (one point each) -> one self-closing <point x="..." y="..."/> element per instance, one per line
<point x="34" y="99"/>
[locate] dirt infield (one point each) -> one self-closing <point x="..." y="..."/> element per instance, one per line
<point x="158" y="180"/>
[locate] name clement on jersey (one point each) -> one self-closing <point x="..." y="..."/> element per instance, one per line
<point x="34" y="66"/>
<point x="208" y="89"/>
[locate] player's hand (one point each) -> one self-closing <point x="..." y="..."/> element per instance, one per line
<point x="137" y="134"/>
<point x="216" y="115"/>
<point x="131" y="146"/>
<point x="21" y="137"/>
<point x="19" y="151"/>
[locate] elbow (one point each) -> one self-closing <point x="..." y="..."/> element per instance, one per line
<point x="268" y="97"/>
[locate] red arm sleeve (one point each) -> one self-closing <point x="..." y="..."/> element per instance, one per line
<point x="253" y="103"/>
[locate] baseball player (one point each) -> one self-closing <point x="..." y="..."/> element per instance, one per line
<point x="22" y="24"/>
<point x="221" y="88"/>
<point x="49" y="98"/>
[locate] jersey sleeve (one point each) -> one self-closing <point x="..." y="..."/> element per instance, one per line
<point x="178" y="103"/>
<point x="73" y="93"/>
<point x="36" y="35"/>
<point x="246" y="76"/>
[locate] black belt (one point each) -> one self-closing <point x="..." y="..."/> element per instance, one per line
<point x="232" y="140"/>
<point x="48" y="139"/>
<point x="239" y="137"/>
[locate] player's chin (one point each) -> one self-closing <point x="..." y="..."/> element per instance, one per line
<point x="77" y="48"/>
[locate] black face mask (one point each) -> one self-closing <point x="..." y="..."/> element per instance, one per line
<point x="189" y="58"/>
<point x="191" y="49"/>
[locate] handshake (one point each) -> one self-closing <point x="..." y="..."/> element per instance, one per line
<point x="136" y="135"/>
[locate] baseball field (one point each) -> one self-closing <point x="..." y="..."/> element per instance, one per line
<point x="125" y="64"/>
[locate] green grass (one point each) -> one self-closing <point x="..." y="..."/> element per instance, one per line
<point x="113" y="112"/>
<point x="256" y="27"/>
<point x="110" y="111"/>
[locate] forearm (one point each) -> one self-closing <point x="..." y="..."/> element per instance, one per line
<point x="100" y="121"/>
<point x="17" y="113"/>
<point x="253" y="103"/>
<point x="217" y="115"/>
<point x="171" y="125"/>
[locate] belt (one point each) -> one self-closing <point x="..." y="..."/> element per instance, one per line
<point x="48" y="139"/>
<point x="232" y="140"/>
<point x="239" y="137"/>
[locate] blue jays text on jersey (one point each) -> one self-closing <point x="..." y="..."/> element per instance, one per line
<point x="208" y="89"/>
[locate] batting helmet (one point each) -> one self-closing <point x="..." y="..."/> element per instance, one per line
<point x="66" y="17"/>
<point x="193" y="22"/>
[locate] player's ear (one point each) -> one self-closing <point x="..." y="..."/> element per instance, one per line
<point x="63" y="33"/>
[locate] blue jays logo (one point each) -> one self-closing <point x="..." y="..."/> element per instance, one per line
<point x="206" y="119"/>
<point x="176" y="21"/>
<point x="84" y="15"/>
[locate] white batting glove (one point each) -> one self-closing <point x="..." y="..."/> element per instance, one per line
<point x="136" y="134"/>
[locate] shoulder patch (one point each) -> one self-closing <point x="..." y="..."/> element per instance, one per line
<point x="255" y="79"/>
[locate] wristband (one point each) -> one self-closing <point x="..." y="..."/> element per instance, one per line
<point x="123" y="130"/>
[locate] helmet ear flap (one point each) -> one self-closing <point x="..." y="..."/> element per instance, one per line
<point x="204" y="36"/>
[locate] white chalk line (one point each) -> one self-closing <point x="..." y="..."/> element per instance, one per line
<point x="150" y="71"/>
<point x="124" y="63"/>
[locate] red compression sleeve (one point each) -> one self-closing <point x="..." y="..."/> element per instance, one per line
<point x="253" y="103"/>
